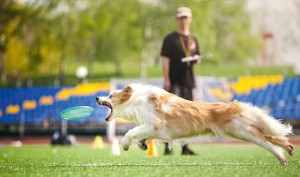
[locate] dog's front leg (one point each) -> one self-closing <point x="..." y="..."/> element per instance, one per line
<point x="140" y="132"/>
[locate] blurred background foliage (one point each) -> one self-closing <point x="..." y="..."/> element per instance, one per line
<point x="46" y="38"/>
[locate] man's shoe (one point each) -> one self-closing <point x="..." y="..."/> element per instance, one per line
<point x="168" y="151"/>
<point x="187" y="151"/>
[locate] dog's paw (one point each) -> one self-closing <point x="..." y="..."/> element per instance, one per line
<point x="142" y="145"/>
<point x="291" y="150"/>
<point x="125" y="148"/>
<point x="125" y="144"/>
<point x="283" y="162"/>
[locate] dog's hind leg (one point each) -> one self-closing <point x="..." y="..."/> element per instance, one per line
<point x="142" y="144"/>
<point x="282" y="142"/>
<point x="253" y="136"/>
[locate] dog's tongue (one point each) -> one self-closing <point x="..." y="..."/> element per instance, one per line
<point x="111" y="110"/>
<point x="109" y="115"/>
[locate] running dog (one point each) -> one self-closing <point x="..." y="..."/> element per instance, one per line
<point x="165" y="116"/>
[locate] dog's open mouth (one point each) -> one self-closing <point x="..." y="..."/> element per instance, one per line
<point x="105" y="103"/>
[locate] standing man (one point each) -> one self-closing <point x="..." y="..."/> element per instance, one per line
<point x="179" y="77"/>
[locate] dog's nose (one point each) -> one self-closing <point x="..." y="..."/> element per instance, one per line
<point x="97" y="98"/>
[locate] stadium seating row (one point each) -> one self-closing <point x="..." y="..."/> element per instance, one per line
<point x="280" y="95"/>
<point x="35" y="105"/>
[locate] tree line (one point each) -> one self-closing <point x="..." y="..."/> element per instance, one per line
<point x="39" y="36"/>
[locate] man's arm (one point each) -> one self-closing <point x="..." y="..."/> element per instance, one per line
<point x="166" y="68"/>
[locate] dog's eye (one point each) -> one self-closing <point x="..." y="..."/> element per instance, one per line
<point x="110" y="96"/>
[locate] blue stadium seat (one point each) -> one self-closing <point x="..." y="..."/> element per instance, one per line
<point x="287" y="92"/>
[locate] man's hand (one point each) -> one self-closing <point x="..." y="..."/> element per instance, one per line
<point x="167" y="85"/>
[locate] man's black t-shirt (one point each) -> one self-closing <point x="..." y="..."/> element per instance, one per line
<point x="180" y="73"/>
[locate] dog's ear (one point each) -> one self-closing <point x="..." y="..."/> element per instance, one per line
<point x="127" y="89"/>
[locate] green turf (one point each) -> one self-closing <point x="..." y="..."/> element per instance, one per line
<point x="104" y="71"/>
<point x="212" y="160"/>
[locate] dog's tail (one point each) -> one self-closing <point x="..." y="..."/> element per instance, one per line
<point x="267" y="124"/>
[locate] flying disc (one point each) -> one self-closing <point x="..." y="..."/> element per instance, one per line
<point x="77" y="112"/>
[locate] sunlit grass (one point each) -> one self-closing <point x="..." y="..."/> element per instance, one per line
<point x="212" y="160"/>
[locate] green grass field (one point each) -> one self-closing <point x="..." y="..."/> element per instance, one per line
<point x="104" y="71"/>
<point x="212" y="160"/>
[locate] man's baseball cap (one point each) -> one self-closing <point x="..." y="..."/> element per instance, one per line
<point x="183" y="12"/>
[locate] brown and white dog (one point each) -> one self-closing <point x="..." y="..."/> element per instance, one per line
<point x="165" y="116"/>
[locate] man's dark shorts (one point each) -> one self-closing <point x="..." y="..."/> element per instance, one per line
<point x="183" y="91"/>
